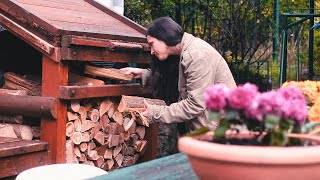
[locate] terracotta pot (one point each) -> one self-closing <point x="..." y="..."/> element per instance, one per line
<point x="218" y="161"/>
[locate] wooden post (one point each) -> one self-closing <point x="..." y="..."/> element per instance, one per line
<point x="54" y="75"/>
<point x="151" y="137"/>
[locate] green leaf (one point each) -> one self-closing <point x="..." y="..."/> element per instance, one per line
<point x="214" y="116"/>
<point x="271" y="121"/>
<point x="219" y="132"/>
<point x="199" y="131"/>
<point x="232" y="115"/>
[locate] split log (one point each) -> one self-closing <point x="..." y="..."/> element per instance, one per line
<point x="107" y="73"/>
<point x="93" y="114"/>
<point x="99" y="161"/>
<point x="77" y="80"/>
<point x="104" y="107"/>
<point x="117" y="150"/>
<point x="108" y="165"/>
<point x="117" y="117"/>
<point x="72" y="116"/>
<point x="127" y="123"/>
<point x="86" y="125"/>
<point x="85" y="137"/>
<point x="104" y="121"/>
<point x="99" y="138"/>
<point x="74" y="106"/>
<point x="77" y="125"/>
<point x="18" y="82"/>
<point x="83" y="114"/>
<point x="70" y="156"/>
<point x="22" y="131"/>
<point x="111" y="111"/>
<point x="83" y="146"/>
<point x="119" y="159"/>
<point x="76" y="151"/>
<point x="7" y="131"/>
<point x="127" y="161"/>
<point x="141" y="131"/>
<point x="11" y="119"/>
<point x="69" y="129"/>
<point x="135" y="103"/>
<point x="13" y="92"/>
<point x="83" y="158"/>
<point x="76" y="137"/>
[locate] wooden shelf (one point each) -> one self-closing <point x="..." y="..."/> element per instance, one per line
<point x="80" y="92"/>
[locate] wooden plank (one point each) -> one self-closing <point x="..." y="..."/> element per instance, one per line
<point x="15" y="146"/>
<point x="54" y="75"/>
<point x="28" y="36"/>
<point x="69" y="40"/>
<point x="13" y="165"/>
<point x="27" y="19"/>
<point x="119" y="17"/>
<point x="105" y="55"/>
<point x="51" y="20"/>
<point x="79" y="92"/>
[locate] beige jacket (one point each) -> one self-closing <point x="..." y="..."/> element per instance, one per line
<point x="200" y="66"/>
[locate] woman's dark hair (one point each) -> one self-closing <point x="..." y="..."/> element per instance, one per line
<point x="166" y="30"/>
<point x="164" y="79"/>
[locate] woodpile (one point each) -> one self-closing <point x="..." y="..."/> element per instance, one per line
<point x="104" y="134"/>
<point x="13" y="126"/>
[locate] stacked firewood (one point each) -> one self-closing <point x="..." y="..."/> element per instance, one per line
<point x="106" y="133"/>
<point x="14" y="126"/>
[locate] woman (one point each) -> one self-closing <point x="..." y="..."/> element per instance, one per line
<point x="200" y="65"/>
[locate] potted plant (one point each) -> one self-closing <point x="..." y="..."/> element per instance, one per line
<point x="260" y="135"/>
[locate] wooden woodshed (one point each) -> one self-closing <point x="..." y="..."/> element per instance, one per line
<point x="65" y="32"/>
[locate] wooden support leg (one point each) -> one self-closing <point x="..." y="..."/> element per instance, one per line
<point x="151" y="137"/>
<point x="54" y="75"/>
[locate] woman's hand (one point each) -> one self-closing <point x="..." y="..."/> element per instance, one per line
<point x="136" y="72"/>
<point x="145" y="113"/>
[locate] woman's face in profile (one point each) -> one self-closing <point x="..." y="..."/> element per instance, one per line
<point x="158" y="48"/>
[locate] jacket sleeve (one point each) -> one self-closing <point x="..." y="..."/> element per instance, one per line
<point x="146" y="73"/>
<point x="198" y="74"/>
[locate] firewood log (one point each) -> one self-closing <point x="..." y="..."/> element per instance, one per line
<point x="140" y="130"/>
<point x="74" y="106"/>
<point x="77" y="80"/>
<point x="71" y="116"/>
<point x="104" y="121"/>
<point x="99" y="138"/>
<point x="108" y="165"/>
<point x="69" y="129"/>
<point x="88" y="162"/>
<point x="11" y="119"/>
<point x="7" y="131"/>
<point x="107" y="73"/>
<point x="117" y="150"/>
<point x="83" y="146"/>
<point x="17" y="82"/>
<point x="93" y="115"/>
<point x="76" y="138"/>
<point x="22" y="131"/>
<point x="135" y="103"/>
<point x="70" y="156"/>
<point x="83" y="114"/>
<point x="117" y="117"/>
<point x="119" y="159"/>
<point x="111" y="111"/>
<point x="127" y="123"/>
<point x="127" y="161"/>
<point x="99" y="161"/>
<point x="76" y="151"/>
<point x="86" y="125"/>
<point x="85" y="137"/>
<point x="83" y="158"/>
<point x="77" y="125"/>
<point x="13" y="92"/>
<point x="104" y="107"/>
